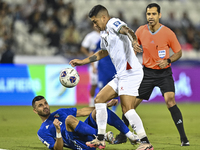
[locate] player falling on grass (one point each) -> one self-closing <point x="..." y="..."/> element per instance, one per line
<point x="156" y="40"/>
<point x="62" y="129"/>
<point x="117" y="41"/>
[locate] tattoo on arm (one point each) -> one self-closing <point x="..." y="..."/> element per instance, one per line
<point x="131" y="35"/>
<point x="93" y="58"/>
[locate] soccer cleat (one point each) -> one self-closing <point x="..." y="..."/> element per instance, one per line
<point x="109" y="137"/>
<point x="120" y="138"/>
<point x="145" y="146"/>
<point x="185" y="143"/>
<point x="134" y="140"/>
<point x="96" y="143"/>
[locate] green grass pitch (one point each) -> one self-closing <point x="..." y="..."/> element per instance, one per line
<point x="19" y="125"/>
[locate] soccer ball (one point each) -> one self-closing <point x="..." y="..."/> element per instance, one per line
<point x="69" y="77"/>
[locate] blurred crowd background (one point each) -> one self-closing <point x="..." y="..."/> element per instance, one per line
<point x="57" y="27"/>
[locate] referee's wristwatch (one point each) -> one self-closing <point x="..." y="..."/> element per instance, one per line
<point x="169" y="61"/>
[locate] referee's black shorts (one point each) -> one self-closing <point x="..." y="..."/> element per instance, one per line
<point x="152" y="77"/>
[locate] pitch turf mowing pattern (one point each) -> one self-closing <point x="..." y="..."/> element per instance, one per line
<point x="19" y="125"/>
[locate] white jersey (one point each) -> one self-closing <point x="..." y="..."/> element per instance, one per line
<point x="119" y="48"/>
<point x="90" y="41"/>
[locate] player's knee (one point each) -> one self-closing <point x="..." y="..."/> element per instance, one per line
<point x="69" y="120"/>
<point x="98" y="99"/>
<point x="170" y="101"/>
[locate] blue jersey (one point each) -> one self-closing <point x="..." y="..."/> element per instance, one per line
<point x="106" y="69"/>
<point x="47" y="131"/>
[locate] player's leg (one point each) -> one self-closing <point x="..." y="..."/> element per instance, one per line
<point x="105" y="94"/>
<point x="92" y="94"/>
<point x="168" y="91"/>
<point x="75" y="125"/>
<point x="115" y="121"/>
<point x="128" y="91"/>
<point x="127" y="103"/>
<point x="93" y="82"/>
<point x="121" y="138"/>
<point x="145" y="90"/>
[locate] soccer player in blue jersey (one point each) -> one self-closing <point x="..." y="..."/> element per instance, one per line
<point x="62" y="129"/>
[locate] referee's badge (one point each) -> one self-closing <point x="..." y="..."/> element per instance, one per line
<point x="162" y="53"/>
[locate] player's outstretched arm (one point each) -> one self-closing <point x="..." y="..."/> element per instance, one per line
<point x="95" y="57"/>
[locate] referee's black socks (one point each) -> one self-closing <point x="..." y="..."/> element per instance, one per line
<point x="178" y="120"/>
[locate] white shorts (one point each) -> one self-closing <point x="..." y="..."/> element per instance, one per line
<point x="93" y="76"/>
<point x="127" y="85"/>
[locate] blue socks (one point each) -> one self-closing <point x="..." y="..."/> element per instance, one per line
<point x="115" y="121"/>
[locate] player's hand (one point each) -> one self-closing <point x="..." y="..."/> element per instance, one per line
<point x="75" y="62"/>
<point x="162" y="63"/>
<point x="56" y="123"/>
<point x="112" y="102"/>
<point x="136" y="47"/>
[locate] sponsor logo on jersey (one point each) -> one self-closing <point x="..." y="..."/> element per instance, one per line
<point x="161" y="53"/>
<point x="47" y="126"/>
<point x="117" y="23"/>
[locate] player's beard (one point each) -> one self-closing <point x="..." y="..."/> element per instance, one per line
<point x="44" y="113"/>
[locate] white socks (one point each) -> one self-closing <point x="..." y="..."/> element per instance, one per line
<point x="91" y="103"/>
<point x="101" y="117"/>
<point x="136" y="123"/>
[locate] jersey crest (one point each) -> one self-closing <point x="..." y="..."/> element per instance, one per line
<point x="56" y="116"/>
<point x="117" y="23"/>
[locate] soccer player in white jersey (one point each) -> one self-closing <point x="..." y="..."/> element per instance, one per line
<point x="88" y="44"/>
<point x="118" y="42"/>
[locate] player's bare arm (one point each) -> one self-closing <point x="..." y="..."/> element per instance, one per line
<point x="131" y="35"/>
<point x="59" y="141"/>
<point x="95" y="57"/>
<point x="163" y="63"/>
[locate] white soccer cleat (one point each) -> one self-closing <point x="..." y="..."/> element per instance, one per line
<point x="134" y="139"/>
<point x="109" y="137"/>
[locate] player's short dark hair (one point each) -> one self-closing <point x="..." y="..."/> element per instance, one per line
<point x="37" y="98"/>
<point x="95" y="10"/>
<point x="153" y="5"/>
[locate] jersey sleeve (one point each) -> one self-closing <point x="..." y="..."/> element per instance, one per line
<point x="86" y="42"/>
<point x="174" y="43"/>
<point x="46" y="139"/>
<point x="116" y="24"/>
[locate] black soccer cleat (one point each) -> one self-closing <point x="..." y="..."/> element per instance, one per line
<point x="185" y="143"/>
<point x="120" y="138"/>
